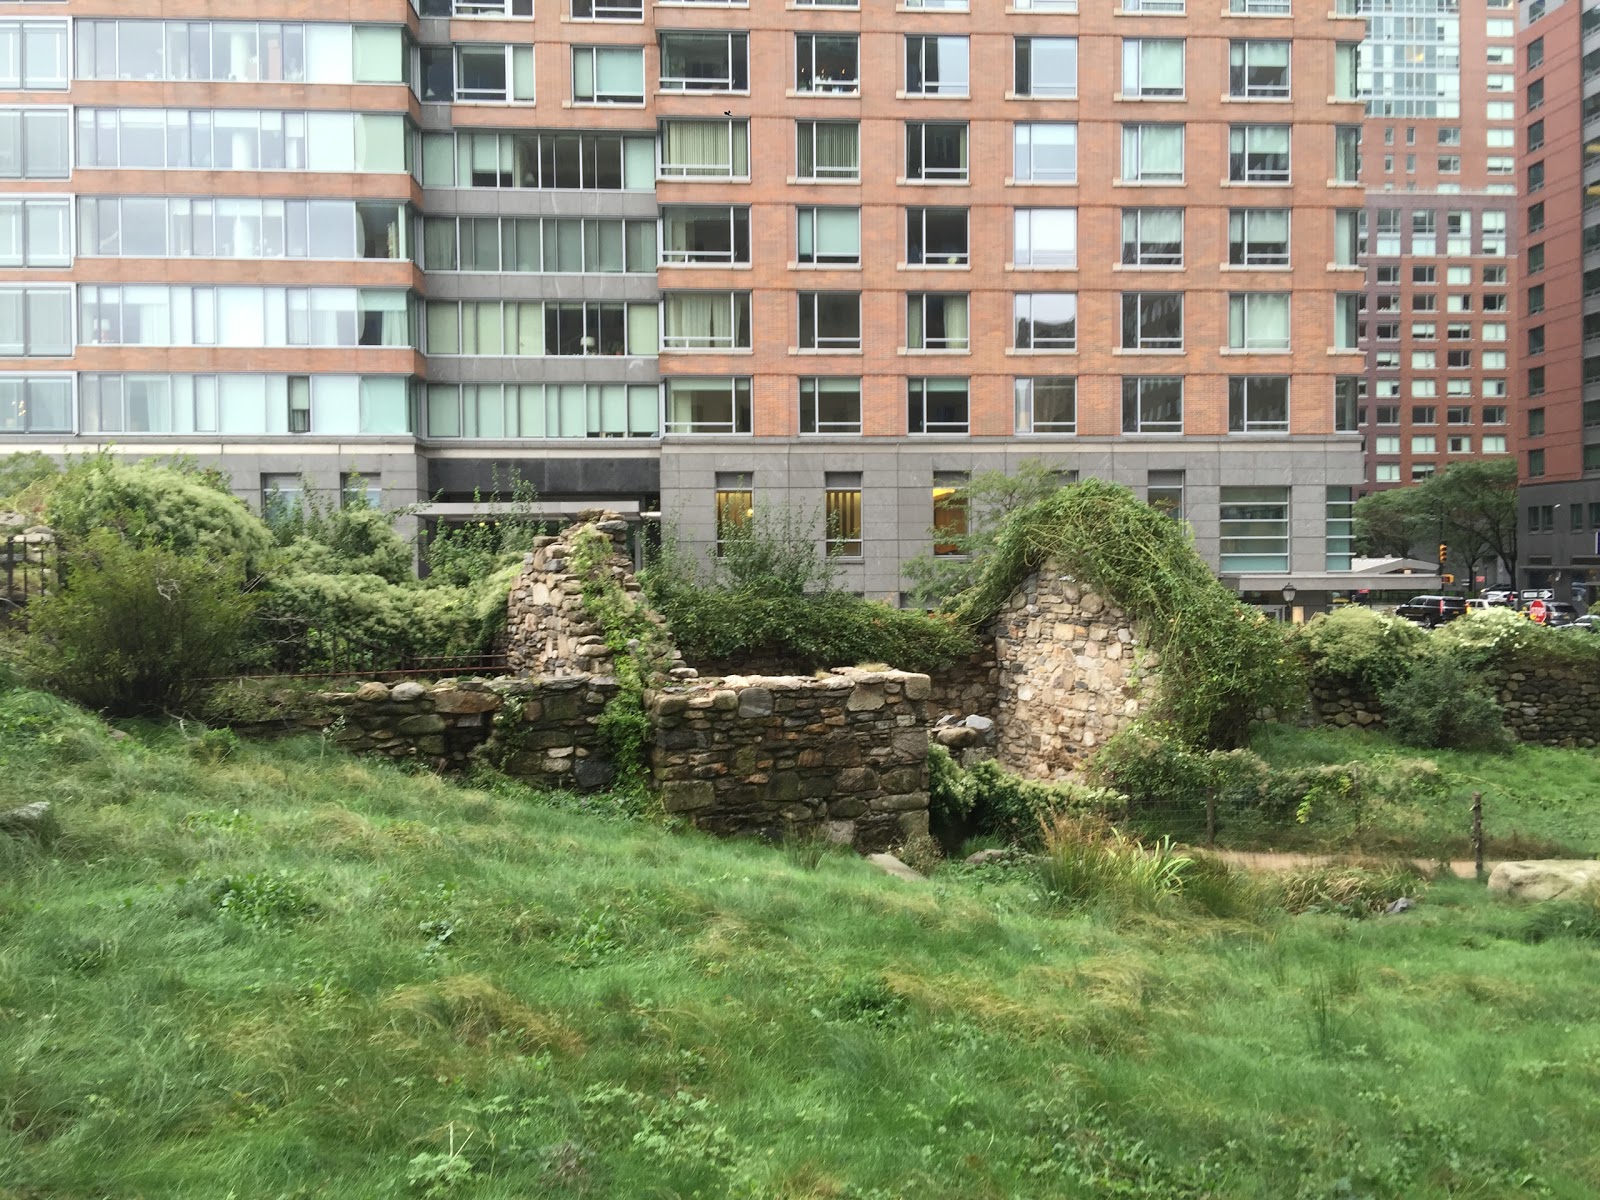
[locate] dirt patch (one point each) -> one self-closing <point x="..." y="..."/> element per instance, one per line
<point x="1271" y="860"/>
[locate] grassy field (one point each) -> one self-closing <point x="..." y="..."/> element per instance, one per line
<point x="1537" y="800"/>
<point x="271" y="971"/>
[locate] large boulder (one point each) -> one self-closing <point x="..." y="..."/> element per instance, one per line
<point x="1545" y="879"/>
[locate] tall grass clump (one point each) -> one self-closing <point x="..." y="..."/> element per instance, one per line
<point x="1221" y="662"/>
<point x="1088" y="861"/>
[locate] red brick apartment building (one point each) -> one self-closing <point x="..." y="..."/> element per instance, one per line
<point x="1558" y="302"/>
<point x="701" y="255"/>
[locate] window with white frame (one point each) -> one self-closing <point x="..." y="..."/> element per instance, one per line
<point x="1258" y="404"/>
<point x="936" y="66"/>
<point x="472" y="74"/>
<point x="1259" y="8"/>
<point x="1152" y="404"/>
<point x="827" y="150"/>
<point x="937" y="321"/>
<point x="707" y="405"/>
<point x="1152" y="321"/>
<point x="936" y="405"/>
<point x="830" y="320"/>
<point x="591" y="10"/>
<point x="1045" y="320"/>
<point x="35" y="232"/>
<point x="1258" y="154"/>
<point x="936" y="237"/>
<point x="936" y="151"/>
<point x="1044" y="152"/>
<point x="829" y="236"/>
<point x="1046" y="404"/>
<point x="608" y="74"/>
<point x="827" y="63"/>
<point x="33" y="56"/>
<point x="1258" y="321"/>
<point x="706" y="234"/>
<point x="530" y="410"/>
<point x="1258" y="237"/>
<point x="1258" y="70"/>
<point x="1152" y="153"/>
<point x="699" y="149"/>
<point x="830" y="405"/>
<point x="705" y="320"/>
<point x="1045" y="237"/>
<point x="1152" y="237"/>
<point x="1152" y="68"/>
<point x="1045" y="67"/>
<point x="705" y="62"/>
<point x="36" y="404"/>
<point x="34" y="143"/>
<point x="36" y="322"/>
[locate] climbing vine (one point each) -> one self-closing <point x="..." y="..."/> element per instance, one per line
<point x="640" y="653"/>
<point x="1220" y="661"/>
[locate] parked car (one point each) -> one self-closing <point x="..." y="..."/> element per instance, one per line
<point x="1500" y="598"/>
<point x="1478" y="604"/>
<point x="1429" y="611"/>
<point x="1559" y="612"/>
<point x="1589" y="624"/>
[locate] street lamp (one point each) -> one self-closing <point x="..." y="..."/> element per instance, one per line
<point x="1289" y="593"/>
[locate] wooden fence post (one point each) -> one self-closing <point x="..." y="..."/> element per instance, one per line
<point x="1477" y="834"/>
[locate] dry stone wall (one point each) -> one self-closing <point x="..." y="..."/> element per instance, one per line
<point x="844" y="755"/>
<point x="1070" y="674"/>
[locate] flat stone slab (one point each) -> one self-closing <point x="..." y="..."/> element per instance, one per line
<point x="890" y="865"/>
<point x="1545" y="879"/>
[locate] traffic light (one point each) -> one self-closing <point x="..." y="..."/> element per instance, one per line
<point x="1448" y="578"/>
<point x="1444" y="553"/>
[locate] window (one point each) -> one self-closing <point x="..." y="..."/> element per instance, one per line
<point x="1152" y="154"/>
<point x="692" y="233"/>
<point x="281" y="495"/>
<point x="1448" y="164"/>
<point x="936" y="152"/>
<point x="1152" y="320"/>
<point x="515" y="244"/>
<point x="936" y="236"/>
<point x="829" y="236"/>
<point x="240" y="404"/>
<point x="1047" y="404"/>
<point x="1424" y="443"/>
<point x="1388" y="414"/>
<point x="1502" y="139"/>
<point x="1258" y="237"/>
<point x="936" y="321"/>
<point x="1259" y="8"/>
<point x="1346" y="70"/>
<point x="600" y="161"/>
<point x="1044" y="153"/>
<point x="36" y="403"/>
<point x="35" y="232"/>
<point x="936" y="405"/>
<point x="1535" y="135"/>
<point x="1424" y="414"/>
<point x="1386" y="445"/>
<point x="1501" y="110"/>
<point x="1339" y="528"/>
<point x="33" y="143"/>
<point x="1424" y="302"/>
<point x="1258" y="321"/>
<point x="949" y="510"/>
<point x="591" y="10"/>
<point x="1046" y="5"/>
<point x="1347" y="154"/>
<point x="1045" y="320"/>
<point x="1494" y="414"/>
<point x="1536" y="422"/>
<point x="1258" y="404"/>
<point x="1152" y="6"/>
<point x="477" y="74"/>
<point x="1535" y="95"/>
<point x="1046" y="237"/>
<point x="841" y="507"/>
<point x="1152" y="237"/>
<point x="830" y="320"/>
<point x="708" y="405"/>
<point x="1347" y="391"/>
<point x="1258" y="70"/>
<point x="1535" y="259"/>
<point x="1152" y="69"/>
<point x="705" y="320"/>
<point x="1497" y="28"/>
<point x="1494" y="331"/>
<point x="1046" y="66"/>
<point x="1164" y="492"/>
<point x="1494" y="233"/>
<point x="827" y="63"/>
<point x="705" y="149"/>
<point x="1536" y="340"/>
<point x="490" y="327"/>
<point x="1152" y="404"/>
<point x="1536" y="381"/>
<point x="1424" y="232"/>
<point x="1535" y="464"/>
<point x="33" y="55"/>
<point x="1258" y="154"/>
<point x="1459" y="360"/>
<point x="1458" y="415"/>
<point x="827" y="150"/>
<point x="608" y="75"/>
<point x="936" y="66"/>
<point x="735" y="502"/>
<point x="36" y="322"/>
<point x="1536" y="176"/>
<point x="1386" y="473"/>
<point x="705" y="62"/>
<point x="1346" y="320"/>
<point x="1535" y="53"/>
<point x="1255" y="528"/>
<point x="830" y="406"/>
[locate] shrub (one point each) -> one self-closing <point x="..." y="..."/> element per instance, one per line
<point x="139" y="628"/>
<point x="1357" y="647"/>
<point x="1221" y="663"/>
<point x="1442" y="705"/>
<point x="22" y="472"/>
<point x="991" y="800"/>
<point x="458" y="555"/>
<point x="355" y="539"/>
<point x="146" y="504"/>
<point x="1348" y="891"/>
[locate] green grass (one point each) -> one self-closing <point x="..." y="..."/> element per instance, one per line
<point x="1538" y="801"/>
<point x="272" y="971"/>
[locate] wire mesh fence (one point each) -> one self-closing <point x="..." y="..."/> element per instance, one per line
<point x="30" y="567"/>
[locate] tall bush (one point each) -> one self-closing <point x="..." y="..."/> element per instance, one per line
<point x="139" y="628"/>
<point x="1442" y="705"/>
<point x="1357" y="647"/>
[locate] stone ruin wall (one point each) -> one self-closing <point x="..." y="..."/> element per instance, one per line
<point x="1070" y="673"/>
<point x="1551" y="706"/>
<point x="844" y="755"/>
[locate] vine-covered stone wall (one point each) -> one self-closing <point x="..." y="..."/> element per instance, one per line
<point x="844" y="755"/>
<point x="1551" y="706"/>
<point x="1070" y="673"/>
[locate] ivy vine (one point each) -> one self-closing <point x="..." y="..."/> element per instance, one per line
<point x="641" y="655"/>
<point x="1221" y="661"/>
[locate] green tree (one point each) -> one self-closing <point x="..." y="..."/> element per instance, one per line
<point x="1470" y="507"/>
